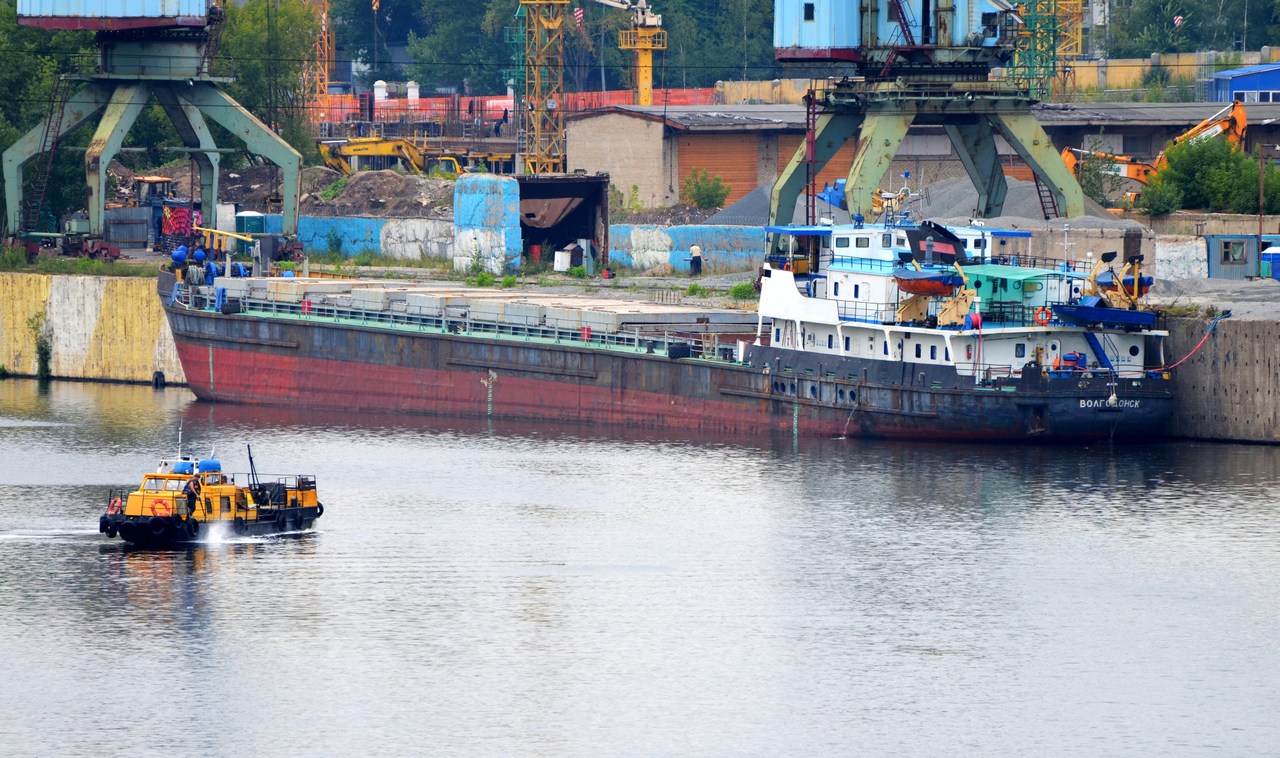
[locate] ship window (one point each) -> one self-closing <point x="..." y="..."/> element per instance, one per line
<point x="946" y="355"/>
<point x="842" y="242"/>
<point x="902" y="241"/>
<point x="1020" y="350"/>
<point x="846" y="344"/>
<point x="979" y="244"/>
<point x="831" y="341"/>
<point x="933" y="352"/>
<point x="855" y="292"/>
<point x="777" y="335"/>
<point x="153" y="484"/>
<point x="809" y="11"/>
<point x="225" y="502"/>
<point x="835" y="289"/>
<point x="977" y="284"/>
<point x="886" y="347"/>
<point x="840" y="395"/>
<point x="919" y="350"/>
<point x="1133" y="351"/>
<point x="173" y="485"/>
<point x="862" y="242"/>
<point x="886" y="240"/>
<point x="813" y="391"/>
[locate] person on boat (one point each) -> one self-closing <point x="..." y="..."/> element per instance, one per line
<point x="191" y="490"/>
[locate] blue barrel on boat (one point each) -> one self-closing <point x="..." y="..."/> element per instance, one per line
<point x="184" y="467"/>
<point x="208" y="465"/>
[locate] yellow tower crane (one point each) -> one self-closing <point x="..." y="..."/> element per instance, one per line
<point x="644" y="36"/>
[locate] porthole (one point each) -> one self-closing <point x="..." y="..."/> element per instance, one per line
<point x="1133" y="351"/>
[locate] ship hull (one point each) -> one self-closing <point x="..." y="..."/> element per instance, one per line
<point x="327" y="366"/>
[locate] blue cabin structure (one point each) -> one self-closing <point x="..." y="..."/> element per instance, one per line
<point x="845" y="30"/>
<point x="1235" y="256"/>
<point x="1251" y="84"/>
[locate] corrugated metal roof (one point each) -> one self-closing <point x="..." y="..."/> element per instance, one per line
<point x="1232" y="73"/>
<point x="714" y="118"/>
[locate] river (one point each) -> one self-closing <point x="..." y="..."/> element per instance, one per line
<point x="563" y="591"/>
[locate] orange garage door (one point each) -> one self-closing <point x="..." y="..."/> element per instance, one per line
<point x="735" y="158"/>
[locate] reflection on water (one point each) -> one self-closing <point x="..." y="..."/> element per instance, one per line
<point x="499" y="589"/>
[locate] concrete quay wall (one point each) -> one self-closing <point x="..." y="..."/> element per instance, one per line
<point x="99" y="327"/>
<point x="1228" y="389"/>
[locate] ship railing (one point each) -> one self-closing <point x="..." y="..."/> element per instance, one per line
<point x="872" y="313"/>
<point x="697" y="341"/>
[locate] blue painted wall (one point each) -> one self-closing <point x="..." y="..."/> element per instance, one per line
<point x="486" y="220"/>
<point x="356" y="233"/>
<point x="724" y="248"/>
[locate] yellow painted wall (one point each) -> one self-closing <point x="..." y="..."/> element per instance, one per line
<point x="100" y="327"/>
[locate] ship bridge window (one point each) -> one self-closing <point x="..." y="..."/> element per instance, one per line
<point x="842" y="242"/>
<point x="846" y="344"/>
<point x="862" y="242"/>
<point x="835" y="289"/>
<point x="886" y="240"/>
<point x="933" y="352"/>
<point x="153" y="484"/>
<point x="173" y="485"/>
<point x="1020" y="350"/>
<point x="831" y="341"/>
<point x="919" y="350"/>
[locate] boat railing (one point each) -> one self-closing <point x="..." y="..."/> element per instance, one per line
<point x="872" y="313"/>
<point x="695" y="341"/>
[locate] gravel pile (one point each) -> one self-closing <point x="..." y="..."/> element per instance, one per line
<point x="953" y="201"/>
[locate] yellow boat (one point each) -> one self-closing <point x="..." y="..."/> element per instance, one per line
<point x="184" y="498"/>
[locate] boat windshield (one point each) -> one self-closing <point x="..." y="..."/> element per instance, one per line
<point x="157" y="483"/>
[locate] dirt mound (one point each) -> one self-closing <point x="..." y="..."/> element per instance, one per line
<point x="674" y="216"/>
<point x="317" y="178"/>
<point x="386" y="194"/>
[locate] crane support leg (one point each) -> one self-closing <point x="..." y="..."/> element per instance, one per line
<point x="127" y="102"/>
<point x="83" y="105"/>
<point x="830" y="134"/>
<point x="975" y="145"/>
<point x="258" y="139"/>
<point x="878" y="142"/>
<point x="1025" y="135"/>
<point x="190" y="125"/>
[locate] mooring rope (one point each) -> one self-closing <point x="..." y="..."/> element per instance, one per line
<point x="1212" y="325"/>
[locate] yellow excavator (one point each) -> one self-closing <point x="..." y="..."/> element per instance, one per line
<point x="337" y="155"/>
<point x="1230" y="123"/>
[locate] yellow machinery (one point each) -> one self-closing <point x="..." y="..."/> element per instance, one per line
<point x="645" y="36"/>
<point x="338" y="152"/>
<point x="1230" y="123"/>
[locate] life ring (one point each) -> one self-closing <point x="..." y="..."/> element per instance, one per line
<point x="114" y="507"/>
<point x="786" y="266"/>
<point x="161" y="507"/>
<point x="1043" y="315"/>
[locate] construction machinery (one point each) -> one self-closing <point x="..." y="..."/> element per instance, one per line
<point x="343" y="155"/>
<point x="644" y="37"/>
<point x="1229" y="123"/>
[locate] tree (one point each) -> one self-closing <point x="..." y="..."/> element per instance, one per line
<point x="702" y="191"/>
<point x="1210" y="175"/>
<point x="265" y="45"/>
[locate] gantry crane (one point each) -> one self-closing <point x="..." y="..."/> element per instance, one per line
<point x="644" y="36"/>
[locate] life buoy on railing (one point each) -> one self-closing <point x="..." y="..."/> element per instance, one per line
<point x="1043" y="315"/>
<point x="786" y="266"/>
<point x="114" y="507"/>
<point x="161" y="508"/>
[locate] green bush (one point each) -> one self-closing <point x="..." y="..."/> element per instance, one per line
<point x="1160" y="199"/>
<point x="743" y="291"/>
<point x="704" y="192"/>
<point x="328" y="194"/>
<point x="578" y="272"/>
<point x="697" y="290"/>
<point x="13" y="258"/>
<point x="363" y="258"/>
<point x="484" y="279"/>
<point x="508" y="282"/>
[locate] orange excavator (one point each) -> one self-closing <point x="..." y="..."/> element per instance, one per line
<point x="1230" y="123"/>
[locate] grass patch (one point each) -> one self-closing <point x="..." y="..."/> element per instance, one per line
<point x="697" y="290"/>
<point x="328" y="194"/>
<point x="578" y="272"/>
<point x="743" y="291"/>
<point x="508" y="282"/>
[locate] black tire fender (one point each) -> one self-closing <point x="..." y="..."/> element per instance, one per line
<point x="237" y="526"/>
<point x="319" y="510"/>
<point x="129" y="531"/>
<point x="103" y="524"/>
<point x="193" y="528"/>
<point x="157" y="525"/>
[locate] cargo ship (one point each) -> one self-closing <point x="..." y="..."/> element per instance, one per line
<point x="967" y="346"/>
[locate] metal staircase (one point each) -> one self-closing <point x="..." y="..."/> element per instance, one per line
<point x="1048" y="203"/>
<point x="44" y="163"/>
